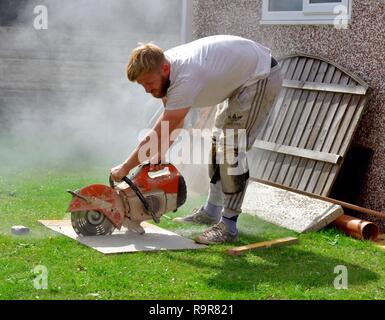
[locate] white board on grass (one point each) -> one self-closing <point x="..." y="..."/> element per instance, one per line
<point x="120" y="241"/>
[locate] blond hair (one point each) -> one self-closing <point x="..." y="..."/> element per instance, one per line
<point x="145" y="58"/>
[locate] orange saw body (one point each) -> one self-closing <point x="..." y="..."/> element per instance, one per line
<point x="98" y="209"/>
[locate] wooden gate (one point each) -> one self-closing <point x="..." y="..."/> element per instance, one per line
<point x="305" y="140"/>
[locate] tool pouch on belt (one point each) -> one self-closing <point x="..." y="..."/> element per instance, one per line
<point x="232" y="183"/>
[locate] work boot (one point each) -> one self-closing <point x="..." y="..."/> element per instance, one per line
<point x="199" y="216"/>
<point x="216" y="234"/>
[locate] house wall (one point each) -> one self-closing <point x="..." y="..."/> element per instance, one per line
<point x="360" y="49"/>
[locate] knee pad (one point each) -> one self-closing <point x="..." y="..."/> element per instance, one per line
<point x="233" y="176"/>
<point x="232" y="183"/>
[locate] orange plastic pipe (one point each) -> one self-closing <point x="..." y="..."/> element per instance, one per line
<point x="357" y="228"/>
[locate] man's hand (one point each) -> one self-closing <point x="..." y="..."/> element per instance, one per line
<point x="120" y="171"/>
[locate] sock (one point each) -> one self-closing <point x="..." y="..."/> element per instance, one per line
<point x="231" y="224"/>
<point x="212" y="210"/>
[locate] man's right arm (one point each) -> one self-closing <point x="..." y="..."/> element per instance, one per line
<point x="174" y="118"/>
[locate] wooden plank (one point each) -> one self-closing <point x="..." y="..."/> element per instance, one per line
<point x="290" y="66"/>
<point x="262" y="132"/>
<point x="340" y="122"/>
<point x="236" y="251"/>
<point x="328" y="130"/>
<point x="309" y="136"/>
<point x="282" y="107"/>
<point x="352" y="75"/>
<point x="286" y="164"/>
<point x="282" y="119"/>
<point x="311" y="131"/>
<point x="314" y="141"/>
<point x="297" y="126"/>
<point x="285" y="137"/>
<point x="255" y="156"/>
<point x="319" y="86"/>
<point x="343" y="144"/>
<point x="305" y="122"/>
<point x="352" y="125"/>
<point x="299" y="152"/>
<point x="275" y="164"/>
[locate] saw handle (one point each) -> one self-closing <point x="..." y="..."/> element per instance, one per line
<point x="140" y="196"/>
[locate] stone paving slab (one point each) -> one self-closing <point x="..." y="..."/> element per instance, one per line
<point x="289" y="209"/>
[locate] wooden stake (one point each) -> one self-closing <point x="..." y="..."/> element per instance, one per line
<point x="236" y="251"/>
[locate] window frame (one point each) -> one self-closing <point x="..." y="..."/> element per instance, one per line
<point x="322" y="8"/>
<point x="186" y="22"/>
<point x="319" y="13"/>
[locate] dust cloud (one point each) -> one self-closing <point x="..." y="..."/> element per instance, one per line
<point x="65" y="100"/>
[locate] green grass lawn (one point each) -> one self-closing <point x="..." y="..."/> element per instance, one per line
<point x="301" y="271"/>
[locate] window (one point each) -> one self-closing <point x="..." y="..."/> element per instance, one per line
<point x="306" y="11"/>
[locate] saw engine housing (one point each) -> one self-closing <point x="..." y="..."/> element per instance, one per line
<point x="98" y="209"/>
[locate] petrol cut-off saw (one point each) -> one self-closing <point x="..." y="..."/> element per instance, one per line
<point x="98" y="209"/>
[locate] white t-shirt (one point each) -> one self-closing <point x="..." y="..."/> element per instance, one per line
<point x="205" y="72"/>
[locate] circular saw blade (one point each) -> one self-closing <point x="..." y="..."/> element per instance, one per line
<point x="91" y="223"/>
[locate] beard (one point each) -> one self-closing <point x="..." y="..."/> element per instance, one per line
<point x="162" y="91"/>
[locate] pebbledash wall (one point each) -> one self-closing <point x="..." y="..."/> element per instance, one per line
<point x="360" y="49"/>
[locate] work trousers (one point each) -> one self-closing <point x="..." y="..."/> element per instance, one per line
<point x="237" y="123"/>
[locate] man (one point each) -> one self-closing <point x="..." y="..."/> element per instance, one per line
<point x="238" y="74"/>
